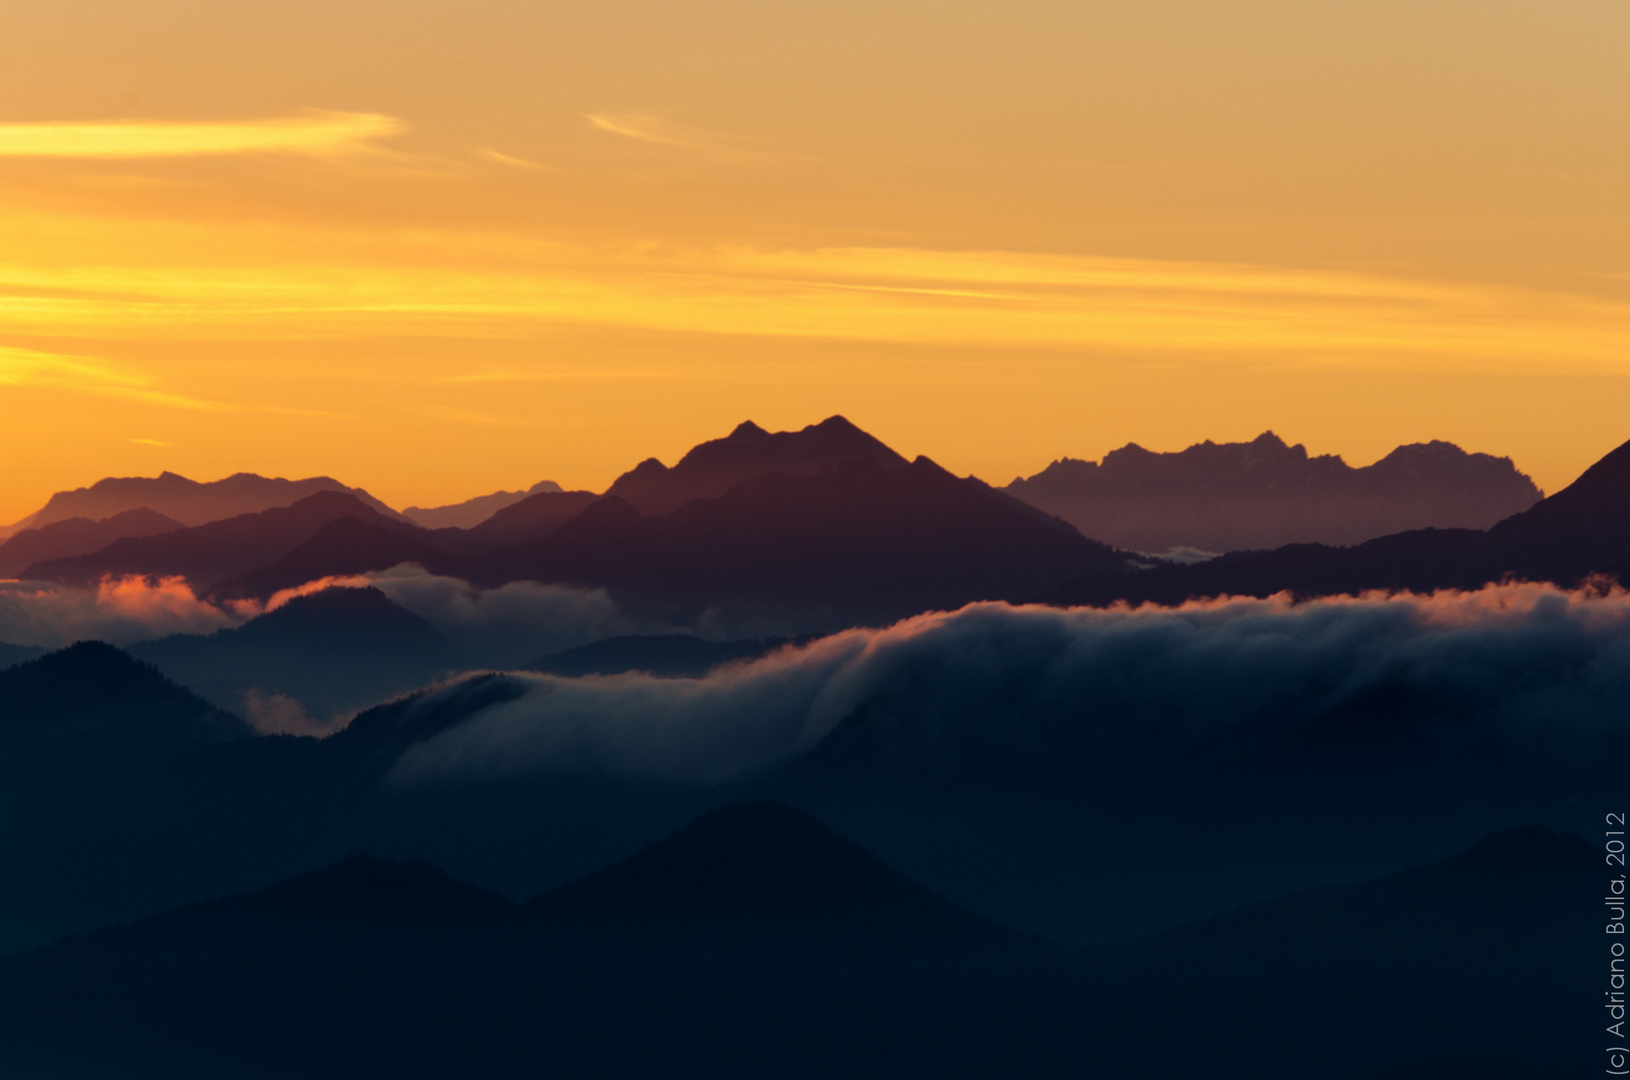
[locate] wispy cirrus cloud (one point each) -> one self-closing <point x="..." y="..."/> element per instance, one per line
<point x="314" y="132"/>
<point x="27" y="367"/>
<point x="639" y="127"/>
<point x="514" y="162"/>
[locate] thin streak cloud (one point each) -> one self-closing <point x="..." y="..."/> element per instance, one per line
<point x="312" y="133"/>
<point x="25" y="367"/>
<point x="515" y="162"/>
<point x="643" y="128"/>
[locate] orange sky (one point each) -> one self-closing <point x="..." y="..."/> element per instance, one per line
<point x="437" y="249"/>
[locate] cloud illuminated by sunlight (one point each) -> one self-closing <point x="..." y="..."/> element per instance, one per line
<point x="643" y="128"/>
<point x="26" y="367"/>
<point x="481" y="285"/>
<point x="312" y="133"/>
<point x="515" y="162"/>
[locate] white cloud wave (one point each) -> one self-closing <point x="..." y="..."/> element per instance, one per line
<point x="120" y="611"/>
<point x="1526" y="664"/>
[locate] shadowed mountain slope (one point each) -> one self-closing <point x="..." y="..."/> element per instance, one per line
<point x="757" y="943"/>
<point x="333" y="651"/>
<point x="1582" y="529"/>
<point x="472" y="512"/>
<point x="78" y="536"/>
<point x="861" y="540"/>
<point x="190" y="502"/>
<point x="714" y="467"/>
<point x="531" y="518"/>
<point x="341" y="547"/>
<point x="93" y="698"/>
<point x="363" y="889"/>
<point x="208" y="554"/>
<point x="1264" y="494"/>
<point x="761" y="860"/>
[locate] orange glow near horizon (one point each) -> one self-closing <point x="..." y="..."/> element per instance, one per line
<point x="435" y="252"/>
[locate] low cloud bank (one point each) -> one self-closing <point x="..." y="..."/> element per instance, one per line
<point x="1542" y="672"/>
<point x="121" y="611"/>
<point x="508" y="626"/>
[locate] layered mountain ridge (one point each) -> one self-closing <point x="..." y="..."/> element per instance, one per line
<point x="1265" y="494"/>
<point x="757" y="941"/>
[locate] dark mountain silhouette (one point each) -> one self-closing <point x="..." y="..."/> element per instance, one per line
<point x="851" y="533"/>
<point x="668" y="655"/>
<point x="220" y="550"/>
<point x="714" y="467"/>
<point x="1404" y="963"/>
<point x="1264" y="494"/>
<point x="472" y="512"/>
<point x="753" y="861"/>
<point x="1582" y="529"/>
<point x="77" y="536"/>
<point x="355" y="545"/>
<point x="90" y="697"/>
<point x="364" y="888"/>
<point x="12" y="655"/>
<point x="190" y="502"/>
<point x="531" y="518"/>
<point x="758" y="943"/>
<point x="340" y="547"/>
<point x="333" y="651"/>
<point x="860" y="540"/>
<point x="1578" y="533"/>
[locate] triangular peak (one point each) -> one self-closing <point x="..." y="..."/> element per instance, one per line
<point x="711" y="468"/>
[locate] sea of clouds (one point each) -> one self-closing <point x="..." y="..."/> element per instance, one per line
<point x="1533" y="669"/>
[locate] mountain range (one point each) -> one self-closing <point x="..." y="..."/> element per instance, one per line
<point x="853" y="533"/>
<point x="756" y="941"/>
<point x="186" y="501"/>
<point x="1265" y="494"/>
<point x="75" y="536"/>
<point x="840" y="530"/>
<point x="1580" y="533"/>
<point x="472" y="512"/>
<point x="948" y="838"/>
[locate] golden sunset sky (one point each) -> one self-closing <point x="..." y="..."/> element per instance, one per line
<point x="435" y="249"/>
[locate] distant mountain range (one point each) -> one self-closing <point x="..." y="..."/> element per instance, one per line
<point x="1581" y="531"/>
<point x="826" y="527"/>
<point x="187" y="501"/>
<point x="472" y="512"/>
<point x="1265" y="494"/>
<point x="74" y="536"/>
<point x="219" y="550"/>
<point x="853" y="533"/>
<point x="757" y="942"/>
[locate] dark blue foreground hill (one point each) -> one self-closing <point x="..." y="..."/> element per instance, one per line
<point x="757" y="943"/>
<point x="93" y="699"/>
<point x="752" y="863"/>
